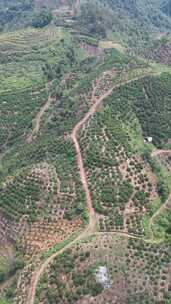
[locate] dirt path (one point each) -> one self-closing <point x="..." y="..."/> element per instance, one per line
<point x="158" y="212"/>
<point x="37" y="119"/>
<point x="90" y="230"/>
<point x="158" y="152"/>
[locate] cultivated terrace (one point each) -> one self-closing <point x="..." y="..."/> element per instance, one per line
<point x="85" y="152"/>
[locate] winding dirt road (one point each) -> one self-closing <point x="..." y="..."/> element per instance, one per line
<point x="91" y="228"/>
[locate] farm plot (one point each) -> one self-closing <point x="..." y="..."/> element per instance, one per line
<point x="54" y="164"/>
<point x="108" y="269"/>
<point x="40" y="209"/>
<point x="122" y="185"/>
<point x="160" y="52"/>
<point x="24" y="194"/>
<point x="54" y="191"/>
<point x="151" y="99"/>
<point x="58" y="220"/>
<point x="47" y="195"/>
<point x="29" y="59"/>
<point x="26" y="54"/>
<point x="17" y="110"/>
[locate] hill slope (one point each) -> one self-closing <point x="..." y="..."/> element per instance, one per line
<point x="85" y="169"/>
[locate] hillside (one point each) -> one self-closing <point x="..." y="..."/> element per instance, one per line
<point x="85" y="152"/>
<point x="126" y="21"/>
<point x="160" y="51"/>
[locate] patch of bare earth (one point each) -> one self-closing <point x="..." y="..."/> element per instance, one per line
<point x="91" y="50"/>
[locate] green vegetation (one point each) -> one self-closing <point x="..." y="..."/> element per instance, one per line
<point x="24" y="73"/>
<point x="26" y="54"/>
<point x="161" y="226"/>
<point x="4" y="301"/>
<point x="84" y="283"/>
<point x="21" y="197"/>
<point x="153" y="107"/>
<point x="137" y="264"/>
<point x="42" y="18"/>
<point x="128" y="22"/>
<point x="15" y="14"/>
<point x="119" y="179"/>
<point x="63" y="57"/>
<point x="10" y="265"/>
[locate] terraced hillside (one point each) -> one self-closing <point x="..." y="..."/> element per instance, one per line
<point x="41" y="200"/>
<point x="26" y="72"/>
<point x="123" y="183"/>
<point x="118" y="265"/>
<point x="140" y="189"/>
<point x="85" y="175"/>
<point x="37" y="198"/>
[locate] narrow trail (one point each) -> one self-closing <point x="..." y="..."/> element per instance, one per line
<point x="38" y="118"/>
<point x="158" y="212"/>
<point x="158" y="152"/>
<point x="39" y="272"/>
<point x="125" y="235"/>
<point x="91" y="228"/>
<point x="155" y="153"/>
<point x="39" y="115"/>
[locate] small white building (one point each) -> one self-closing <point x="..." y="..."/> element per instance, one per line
<point x="148" y="139"/>
<point x="102" y="276"/>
